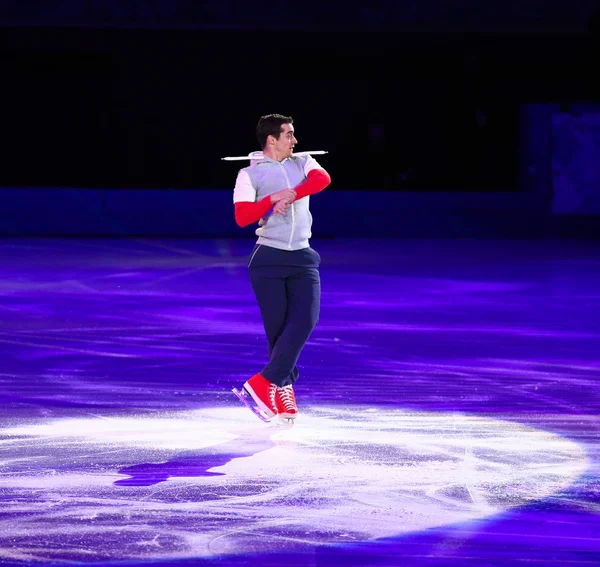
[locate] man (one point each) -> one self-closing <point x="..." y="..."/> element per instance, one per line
<point x="275" y="192"/>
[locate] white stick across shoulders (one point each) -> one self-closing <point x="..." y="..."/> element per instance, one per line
<point x="259" y="155"/>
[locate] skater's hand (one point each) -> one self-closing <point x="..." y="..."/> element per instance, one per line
<point x="281" y="207"/>
<point x="282" y="200"/>
<point x="287" y="195"/>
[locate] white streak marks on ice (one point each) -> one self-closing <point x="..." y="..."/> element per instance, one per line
<point x="69" y="349"/>
<point x="216" y="481"/>
<point x="465" y="329"/>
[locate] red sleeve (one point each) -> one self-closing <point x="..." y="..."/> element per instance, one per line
<point x="246" y="212"/>
<point x="317" y="180"/>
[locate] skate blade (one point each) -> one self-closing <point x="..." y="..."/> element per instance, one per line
<point x="244" y="398"/>
<point x="286" y="421"/>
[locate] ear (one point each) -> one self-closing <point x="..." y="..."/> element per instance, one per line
<point x="271" y="139"/>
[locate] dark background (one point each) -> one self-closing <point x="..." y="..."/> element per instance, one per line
<point x="152" y="95"/>
<point x="406" y="96"/>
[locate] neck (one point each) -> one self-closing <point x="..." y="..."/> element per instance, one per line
<point x="270" y="153"/>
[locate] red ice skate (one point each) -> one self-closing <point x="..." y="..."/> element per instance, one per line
<point x="263" y="393"/>
<point x="286" y="403"/>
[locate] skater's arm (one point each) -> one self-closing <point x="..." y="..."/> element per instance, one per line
<point x="247" y="213"/>
<point x="247" y="209"/>
<point x="317" y="180"/>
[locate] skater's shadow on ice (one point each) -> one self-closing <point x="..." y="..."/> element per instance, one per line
<point x="197" y="463"/>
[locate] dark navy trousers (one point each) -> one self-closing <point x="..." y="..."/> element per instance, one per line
<point x="287" y="287"/>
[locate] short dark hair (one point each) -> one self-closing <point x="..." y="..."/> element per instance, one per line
<point x="270" y="125"/>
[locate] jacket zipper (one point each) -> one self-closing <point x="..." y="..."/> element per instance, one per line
<point x="287" y="180"/>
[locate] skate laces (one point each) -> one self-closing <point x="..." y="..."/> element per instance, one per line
<point x="286" y="395"/>
<point x="272" y="394"/>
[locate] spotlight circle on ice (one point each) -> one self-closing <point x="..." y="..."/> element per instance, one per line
<point x="214" y="481"/>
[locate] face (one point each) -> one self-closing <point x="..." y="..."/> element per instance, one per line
<point x="284" y="145"/>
